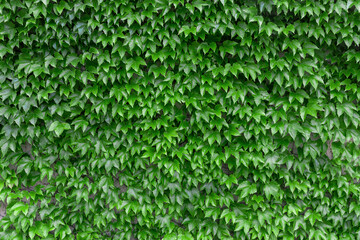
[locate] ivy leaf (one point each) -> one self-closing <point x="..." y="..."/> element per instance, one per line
<point x="171" y="133"/>
<point x="243" y="224"/>
<point x="271" y="189"/>
<point x="42" y="229"/>
<point x="135" y="63"/>
<point x="19" y="207"/>
<point x="59" y="127"/>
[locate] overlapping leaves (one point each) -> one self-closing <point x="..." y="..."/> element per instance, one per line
<point x="179" y="119"/>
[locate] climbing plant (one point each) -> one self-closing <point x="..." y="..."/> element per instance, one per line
<point x="174" y="119"/>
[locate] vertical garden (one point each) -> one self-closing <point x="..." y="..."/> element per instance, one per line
<point x="173" y="119"/>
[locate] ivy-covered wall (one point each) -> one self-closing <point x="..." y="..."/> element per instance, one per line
<point x="173" y="119"/>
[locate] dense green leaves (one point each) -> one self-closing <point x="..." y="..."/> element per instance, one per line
<point x="179" y="119"/>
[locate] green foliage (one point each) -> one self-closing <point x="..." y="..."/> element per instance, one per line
<point x="179" y="119"/>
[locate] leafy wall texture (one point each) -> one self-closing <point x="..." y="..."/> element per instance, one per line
<point x="173" y="119"/>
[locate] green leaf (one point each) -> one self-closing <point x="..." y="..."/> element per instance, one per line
<point x="243" y="224"/>
<point x="171" y="133"/>
<point x="19" y="207"/>
<point x="59" y="127"/>
<point x="271" y="189"/>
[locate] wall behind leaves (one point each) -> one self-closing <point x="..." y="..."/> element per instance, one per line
<point x="173" y="119"/>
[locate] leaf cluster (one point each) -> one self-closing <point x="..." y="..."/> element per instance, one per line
<point x="177" y="119"/>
